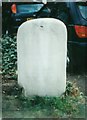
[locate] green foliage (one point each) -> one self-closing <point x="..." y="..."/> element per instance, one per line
<point x="9" y="56"/>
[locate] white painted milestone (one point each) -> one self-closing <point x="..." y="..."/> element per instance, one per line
<point x="41" y="52"/>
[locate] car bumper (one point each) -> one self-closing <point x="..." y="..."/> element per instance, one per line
<point x="78" y="53"/>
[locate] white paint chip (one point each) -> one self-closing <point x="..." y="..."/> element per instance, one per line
<point x="41" y="50"/>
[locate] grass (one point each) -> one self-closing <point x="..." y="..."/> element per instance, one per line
<point x="69" y="104"/>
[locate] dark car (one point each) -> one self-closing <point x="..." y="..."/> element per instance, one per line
<point x="77" y="35"/>
<point x="16" y="13"/>
<point x="73" y="14"/>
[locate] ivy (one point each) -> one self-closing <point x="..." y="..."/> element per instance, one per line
<point x="9" y="56"/>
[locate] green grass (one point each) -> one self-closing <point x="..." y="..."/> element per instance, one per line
<point x="69" y="104"/>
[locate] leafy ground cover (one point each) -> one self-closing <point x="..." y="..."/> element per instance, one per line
<point x="16" y="105"/>
<point x="9" y="56"/>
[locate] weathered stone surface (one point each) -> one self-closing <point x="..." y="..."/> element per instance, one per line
<point x="41" y="49"/>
